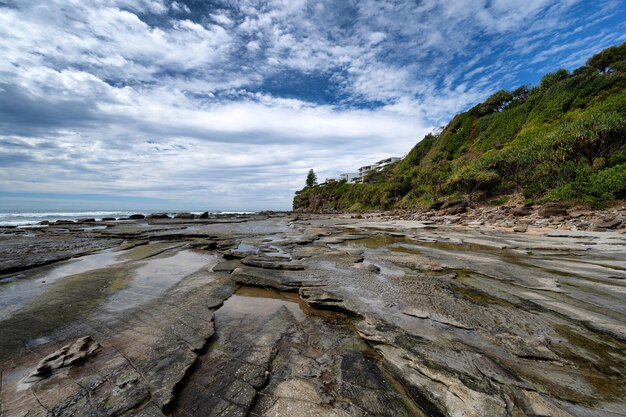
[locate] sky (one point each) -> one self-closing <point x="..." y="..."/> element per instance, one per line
<point x="226" y="104"/>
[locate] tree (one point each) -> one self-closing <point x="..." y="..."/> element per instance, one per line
<point x="605" y="60"/>
<point x="471" y="178"/>
<point x="591" y="136"/>
<point x="552" y="78"/>
<point x="311" y="178"/>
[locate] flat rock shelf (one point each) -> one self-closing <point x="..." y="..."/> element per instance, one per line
<point x="279" y="314"/>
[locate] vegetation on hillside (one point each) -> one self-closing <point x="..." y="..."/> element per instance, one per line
<point x="564" y="139"/>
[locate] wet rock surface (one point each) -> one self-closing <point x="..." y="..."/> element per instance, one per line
<point x="314" y="315"/>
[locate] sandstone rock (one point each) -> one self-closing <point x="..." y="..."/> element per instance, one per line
<point x="520" y="228"/>
<point x="457" y="209"/>
<point x="609" y="223"/>
<point x="268" y="278"/>
<point x="436" y="206"/>
<point x="271" y="263"/>
<point x="68" y="355"/>
<point x="552" y="209"/>
<point x="367" y="267"/>
<point x="520" y="211"/>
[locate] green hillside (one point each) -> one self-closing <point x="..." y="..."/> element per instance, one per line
<point x="562" y="140"/>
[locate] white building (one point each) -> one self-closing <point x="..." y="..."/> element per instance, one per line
<point x="350" y="177"/>
<point x="386" y="162"/>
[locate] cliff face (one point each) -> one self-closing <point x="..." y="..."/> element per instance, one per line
<point x="564" y="139"/>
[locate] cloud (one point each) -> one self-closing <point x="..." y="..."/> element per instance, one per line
<point x="228" y="104"/>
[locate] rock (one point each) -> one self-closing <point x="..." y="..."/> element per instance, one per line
<point x="271" y="263"/>
<point x="108" y="219"/>
<point x="552" y="209"/>
<point x="276" y="279"/>
<point x="609" y="223"/>
<point x="457" y="209"/>
<point x="520" y="211"/>
<point x="367" y="267"/>
<point x="136" y="217"/>
<point x="90" y="220"/>
<point x="185" y="216"/>
<point x="68" y="355"/>
<point x="204" y="215"/>
<point x="521" y="228"/>
<point x="319" y="297"/>
<point x="451" y="203"/>
<point x="416" y="312"/>
<point x="436" y="206"/>
<point x="157" y="216"/>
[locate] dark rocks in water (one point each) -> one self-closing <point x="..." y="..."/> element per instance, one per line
<point x="552" y="210"/>
<point x="156" y="216"/>
<point x="204" y="215"/>
<point x="108" y="219"/>
<point x="68" y="355"/>
<point x="91" y="220"/>
<point x="136" y="217"/>
<point x="44" y="223"/>
<point x="185" y="216"/>
<point x="64" y="222"/>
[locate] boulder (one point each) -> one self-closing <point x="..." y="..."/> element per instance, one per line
<point x="520" y="211"/>
<point x="457" y="209"/>
<point x="552" y="209"/>
<point x="204" y="215"/>
<point x="91" y="220"/>
<point x="68" y="355"/>
<point x="451" y="203"/>
<point x="436" y="206"/>
<point x="136" y="217"/>
<point x="609" y="223"/>
<point x="108" y="219"/>
<point x="520" y="228"/>
<point x="186" y="216"/>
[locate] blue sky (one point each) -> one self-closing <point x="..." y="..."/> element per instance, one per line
<point x="226" y="104"/>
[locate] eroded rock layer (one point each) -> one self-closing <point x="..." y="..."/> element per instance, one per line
<point x="272" y="314"/>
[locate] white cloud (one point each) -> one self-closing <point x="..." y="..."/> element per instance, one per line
<point x="144" y="97"/>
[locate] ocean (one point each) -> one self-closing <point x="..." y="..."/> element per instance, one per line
<point x="25" y="219"/>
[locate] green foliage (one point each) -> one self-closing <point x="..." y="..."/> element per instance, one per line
<point x="563" y="139"/>
<point x="311" y="178"/>
<point x="591" y="136"/>
<point x="596" y="189"/>
<point x="610" y="59"/>
<point x="471" y="178"/>
<point x="499" y="201"/>
<point x="552" y="78"/>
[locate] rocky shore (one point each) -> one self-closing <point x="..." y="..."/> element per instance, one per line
<point x="456" y="312"/>
<point x="514" y="217"/>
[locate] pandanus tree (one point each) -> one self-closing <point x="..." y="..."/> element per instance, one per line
<point x="592" y="137"/>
